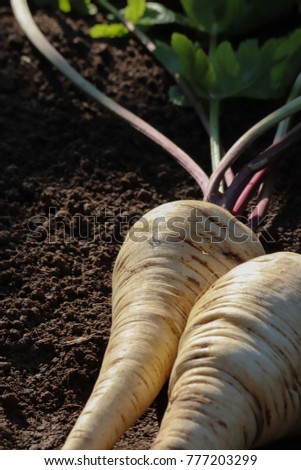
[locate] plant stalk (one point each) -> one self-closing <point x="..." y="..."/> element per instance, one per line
<point x="246" y="140"/>
<point x="265" y="190"/>
<point x="284" y="125"/>
<point x="27" y="24"/>
<point x="251" y="175"/>
<point x="215" y="145"/>
<point x="214" y="134"/>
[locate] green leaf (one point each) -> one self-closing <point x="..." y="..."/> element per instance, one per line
<point x="64" y="5"/>
<point x="167" y="56"/>
<point x="245" y="72"/>
<point x="194" y="64"/>
<point x="185" y="50"/>
<point x="251" y="71"/>
<point x="134" y="10"/>
<point x="212" y="16"/>
<point x="224" y="60"/>
<point x="226" y="70"/>
<point x="289" y="45"/>
<point x="204" y="76"/>
<point x="113" y="30"/>
<point x="288" y="60"/>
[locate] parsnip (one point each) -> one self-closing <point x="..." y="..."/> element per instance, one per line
<point x="236" y="382"/>
<point x="159" y="272"/>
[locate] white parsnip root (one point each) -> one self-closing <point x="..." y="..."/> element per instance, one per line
<point x="236" y="382"/>
<point x="171" y="255"/>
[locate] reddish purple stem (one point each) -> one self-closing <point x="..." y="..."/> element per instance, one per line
<point x="248" y="180"/>
<point x="258" y="213"/>
<point x="248" y="192"/>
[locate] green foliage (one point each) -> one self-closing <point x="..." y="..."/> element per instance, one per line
<point x="134" y="10"/>
<point x="252" y="71"/>
<point x="112" y="30"/>
<point x="167" y="56"/>
<point x="140" y="13"/>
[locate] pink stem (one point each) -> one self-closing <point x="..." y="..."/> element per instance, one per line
<point x="248" y="193"/>
<point x="258" y="213"/>
<point x="229" y="177"/>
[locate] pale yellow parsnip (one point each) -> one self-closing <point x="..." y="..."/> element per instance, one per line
<point x="236" y="382"/>
<point x="155" y="284"/>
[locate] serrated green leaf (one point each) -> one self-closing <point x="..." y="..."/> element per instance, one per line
<point x="226" y="70"/>
<point x="289" y="45"/>
<point x="134" y="10"/>
<point x="113" y="30"/>
<point x="194" y="64"/>
<point x="204" y="74"/>
<point x="167" y="56"/>
<point x="247" y="52"/>
<point x="251" y="71"/>
<point x="271" y="68"/>
<point x="185" y="50"/>
<point x="287" y="56"/>
<point x="254" y="78"/>
<point x="224" y="60"/>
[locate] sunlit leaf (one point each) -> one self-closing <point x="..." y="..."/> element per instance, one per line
<point x="112" y="30"/>
<point x="134" y="10"/>
<point x="64" y="5"/>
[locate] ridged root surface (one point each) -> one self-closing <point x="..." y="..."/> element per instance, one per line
<point x="169" y="256"/>
<point x="236" y="382"/>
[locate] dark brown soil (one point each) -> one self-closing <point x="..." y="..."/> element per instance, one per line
<point x="69" y="173"/>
